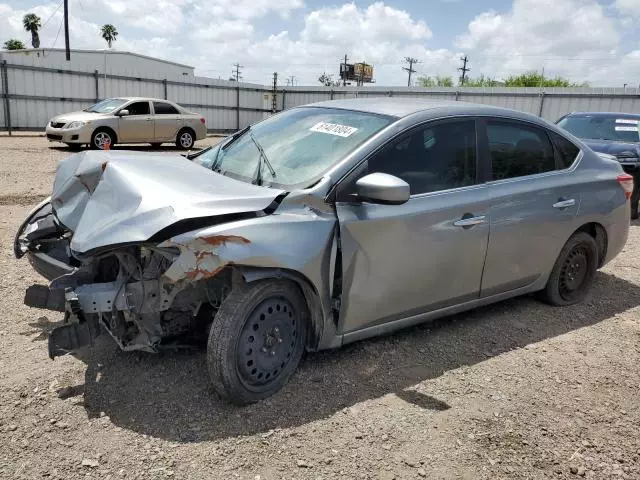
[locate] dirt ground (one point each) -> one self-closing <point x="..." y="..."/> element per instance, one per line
<point x="514" y="390"/>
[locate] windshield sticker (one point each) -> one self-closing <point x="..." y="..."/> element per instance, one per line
<point x="334" y="129"/>
<point x="627" y="120"/>
<point x="626" y="129"/>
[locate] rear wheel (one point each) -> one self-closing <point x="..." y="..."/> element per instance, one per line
<point x="573" y="272"/>
<point x="185" y="139"/>
<point x="256" y="340"/>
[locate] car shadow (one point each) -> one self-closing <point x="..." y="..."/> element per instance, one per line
<point x="169" y="395"/>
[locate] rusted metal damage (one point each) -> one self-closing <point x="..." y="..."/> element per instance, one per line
<point x="200" y="258"/>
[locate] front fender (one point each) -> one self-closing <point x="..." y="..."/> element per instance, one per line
<point x="297" y="242"/>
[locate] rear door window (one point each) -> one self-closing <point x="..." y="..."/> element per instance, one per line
<point x="566" y="152"/>
<point x="518" y="149"/>
<point x="162" y="108"/>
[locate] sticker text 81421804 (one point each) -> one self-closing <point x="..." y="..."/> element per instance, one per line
<point x="334" y="129"/>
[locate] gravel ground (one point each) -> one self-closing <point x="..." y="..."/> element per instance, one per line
<point x="514" y="390"/>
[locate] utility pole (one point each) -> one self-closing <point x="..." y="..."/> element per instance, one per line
<point x="344" y="72"/>
<point x="274" y="93"/>
<point x="464" y="70"/>
<point x="236" y="73"/>
<point x="66" y="30"/>
<point x="411" y="61"/>
<point x="290" y="80"/>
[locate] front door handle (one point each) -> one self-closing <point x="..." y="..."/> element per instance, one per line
<point x="564" y="203"/>
<point x="470" y="221"/>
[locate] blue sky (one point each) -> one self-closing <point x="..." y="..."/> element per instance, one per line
<point x="585" y="40"/>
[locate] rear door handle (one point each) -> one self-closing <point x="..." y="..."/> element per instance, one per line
<point x="570" y="202"/>
<point x="470" y="221"/>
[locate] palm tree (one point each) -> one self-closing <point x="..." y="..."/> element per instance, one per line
<point x="109" y="33"/>
<point x="32" y="24"/>
<point x="13" y="44"/>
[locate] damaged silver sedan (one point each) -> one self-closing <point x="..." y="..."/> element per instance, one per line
<point x="320" y="226"/>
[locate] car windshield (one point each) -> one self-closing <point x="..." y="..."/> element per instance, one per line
<point x="106" y="106"/>
<point x="299" y="145"/>
<point x="602" y="127"/>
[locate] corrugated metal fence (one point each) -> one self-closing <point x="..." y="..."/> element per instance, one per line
<point x="33" y="95"/>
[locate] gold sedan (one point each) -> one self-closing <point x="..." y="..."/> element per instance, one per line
<point x="128" y="120"/>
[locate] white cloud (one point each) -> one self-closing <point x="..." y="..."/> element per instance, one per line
<point x="212" y="11"/>
<point x="628" y="8"/>
<point x="579" y="39"/>
<point x="572" y="38"/>
<point x="165" y="18"/>
<point x="378" y="22"/>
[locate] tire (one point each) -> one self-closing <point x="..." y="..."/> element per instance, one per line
<point x="573" y="273"/>
<point x="74" y="147"/>
<point x="185" y="139"/>
<point x="99" y="137"/>
<point x="156" y="145"/>
<point x="256" y="340"/>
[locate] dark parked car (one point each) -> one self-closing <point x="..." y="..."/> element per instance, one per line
<point x="614" y="134"/>
<point x="320" y="226"/>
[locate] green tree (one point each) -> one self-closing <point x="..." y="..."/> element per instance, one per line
<point x="436" y="81"/>
<point x="535" y="79"/>
<point x="14" y="44"/>
<point x="327" y="80"/>
<point x="481" y="81"/>
<point x="32" y="24"/>
<point x="109" y="33"/>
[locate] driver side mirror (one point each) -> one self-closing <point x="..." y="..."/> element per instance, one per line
<point x="123" y="113"/>
<point x="383" y="188"/>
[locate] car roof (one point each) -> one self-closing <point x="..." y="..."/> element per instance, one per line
<point x="633" y="116"/>
<point x="403" y="107"/>
<point x="128" y="99"/>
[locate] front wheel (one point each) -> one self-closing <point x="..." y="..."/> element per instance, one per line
<point x="573" y="272"/>
<point x="101" y="138"/>
<point x="185" y="139"/>
<point x="257" y="340"/>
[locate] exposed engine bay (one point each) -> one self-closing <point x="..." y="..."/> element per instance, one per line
<point x="125" y="291"/>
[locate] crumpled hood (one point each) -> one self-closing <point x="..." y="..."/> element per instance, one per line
<point x="625" y="149"/>
<point x="108" y="198"/>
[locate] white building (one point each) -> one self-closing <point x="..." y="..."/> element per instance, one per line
<point x="108" y="61"/>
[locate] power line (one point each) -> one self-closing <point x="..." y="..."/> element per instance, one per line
<point x="411" y="61"/>
<point x="57" y="34"/>
<point x="464" y="70"/>
<point x="51" y="16"/>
